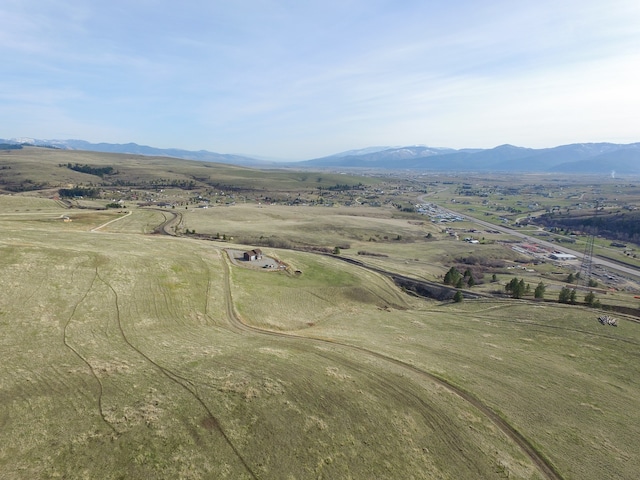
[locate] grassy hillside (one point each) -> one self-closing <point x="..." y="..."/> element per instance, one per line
<point x="128" y="355"/>
<point x="34" y="168"/>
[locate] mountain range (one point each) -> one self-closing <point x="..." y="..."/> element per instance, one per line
<point x="595" y="158"/>
<point x="588" y="158"/>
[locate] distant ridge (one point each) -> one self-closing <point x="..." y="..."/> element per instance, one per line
<point x="134" y="148"/>
<point x="587" y="158"/>
<point x="578" y="158"/>
<point x="575" y="158"/>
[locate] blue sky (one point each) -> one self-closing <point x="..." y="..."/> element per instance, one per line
<point x="298" y="79"/>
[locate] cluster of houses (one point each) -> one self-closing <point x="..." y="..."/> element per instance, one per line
<point x="436" y="214"/>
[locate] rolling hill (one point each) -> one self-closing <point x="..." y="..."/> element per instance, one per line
<point x="578" y="158"/>
<point x="135" y="149"/>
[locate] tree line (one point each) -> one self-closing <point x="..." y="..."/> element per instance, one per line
<point x="98" y="171"/>
<point x="517" y="288"/>
<point x="86" y="192"/>
<point x="616" y="226"/>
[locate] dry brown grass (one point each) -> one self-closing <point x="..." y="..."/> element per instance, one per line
<point x="121" y="360"/>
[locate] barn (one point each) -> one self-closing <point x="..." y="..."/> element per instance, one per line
<point x="251" y="255"/>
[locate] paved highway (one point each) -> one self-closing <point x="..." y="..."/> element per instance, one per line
<point x="554" y="246"/>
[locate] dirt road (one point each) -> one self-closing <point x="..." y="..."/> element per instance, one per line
<point x="538" y="459"/>
<point x="235" y="323"/>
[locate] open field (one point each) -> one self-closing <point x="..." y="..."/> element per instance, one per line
<point x="132" y="354"/>
<point x="382" y="238"/>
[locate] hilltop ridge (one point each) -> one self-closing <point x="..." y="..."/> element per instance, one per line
<point x="580" y="158"/>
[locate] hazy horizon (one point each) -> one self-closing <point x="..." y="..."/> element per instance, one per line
<point x="300" y="81"/>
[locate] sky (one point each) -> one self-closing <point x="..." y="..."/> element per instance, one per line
<point x="301" y="79"/>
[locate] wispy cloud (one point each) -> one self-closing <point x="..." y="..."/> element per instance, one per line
<point x="303" y="79"/>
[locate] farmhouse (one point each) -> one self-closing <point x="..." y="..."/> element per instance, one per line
<point x="251" y="255"/>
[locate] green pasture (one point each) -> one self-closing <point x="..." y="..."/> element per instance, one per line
<point x="120" y="362"/>
<point x="547" y="368"/>
<point x="131" y="355"/>
<point x="121" y="359"/>
<point x="371" y="235"/>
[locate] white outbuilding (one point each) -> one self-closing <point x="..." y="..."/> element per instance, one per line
<point x="562" y="256"/>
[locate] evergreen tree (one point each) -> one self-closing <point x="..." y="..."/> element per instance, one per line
<point x="522" y="288"/>
<point x="458" y="297"/>
<point x="572" y="297"/>
<point x="452" y="276"/>
<point x="516" y="287"/>
<point x="539" y="291"/>
<point x="565" y="295"/>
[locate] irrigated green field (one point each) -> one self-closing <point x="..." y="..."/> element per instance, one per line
<point x="129" y="355"/>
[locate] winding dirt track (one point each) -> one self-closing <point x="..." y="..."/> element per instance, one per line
<point x="211" y="422"/>
<point x="67" y="343"/>
<point x="544" y="465"/>
<point x="171" y="219"/>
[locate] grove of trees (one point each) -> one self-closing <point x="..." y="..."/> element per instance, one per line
<point x="79" y="192"/>
<point x="516" y="287"/>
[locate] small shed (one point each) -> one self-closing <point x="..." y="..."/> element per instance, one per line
<point x="251" y="255"/>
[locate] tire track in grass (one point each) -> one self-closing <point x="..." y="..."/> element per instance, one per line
<point x="210" y="422"/>
<point x="65" y="341"/>
<point x="437" y="422"/>
<point x="208" y="292"/>
<point x="544" y="465"/>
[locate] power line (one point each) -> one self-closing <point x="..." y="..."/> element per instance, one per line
<point x="587" y="257"/>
